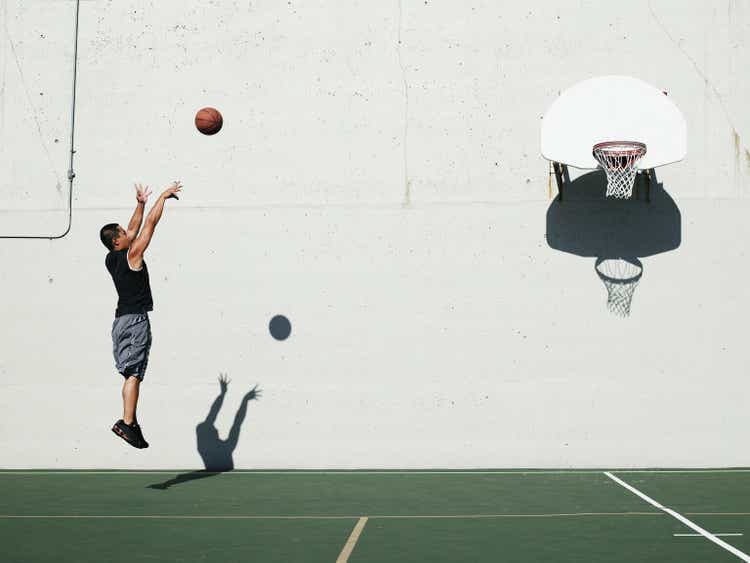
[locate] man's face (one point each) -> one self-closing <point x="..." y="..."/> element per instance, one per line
<point x="122" y="241"/>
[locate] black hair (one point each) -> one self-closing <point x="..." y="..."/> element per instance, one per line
<point x="108" y="234"/>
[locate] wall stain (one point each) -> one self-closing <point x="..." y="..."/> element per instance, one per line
<point x="737" y="144"/>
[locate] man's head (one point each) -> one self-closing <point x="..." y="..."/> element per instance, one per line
<point x="114" y="237"/>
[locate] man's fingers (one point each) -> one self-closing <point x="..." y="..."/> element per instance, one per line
<point x="173" y="190"/>
<point x="141" y="191"/>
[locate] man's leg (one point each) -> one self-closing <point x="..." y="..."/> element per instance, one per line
<point x="130" y="389"/>
<point x="127" y="428"/>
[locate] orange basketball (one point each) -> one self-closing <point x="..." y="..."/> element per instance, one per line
<point x="208" y="121"/>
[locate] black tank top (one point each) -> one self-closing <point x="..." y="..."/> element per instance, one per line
<point x="133" y="288"/>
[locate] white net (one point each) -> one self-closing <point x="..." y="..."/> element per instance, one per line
<point x="619" y="160"/>
<point x="620" y="277"/>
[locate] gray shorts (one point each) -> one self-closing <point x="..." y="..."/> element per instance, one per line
<point x="131" y="344"/>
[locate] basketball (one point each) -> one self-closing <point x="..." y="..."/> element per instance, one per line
<point x="208" y="121"/>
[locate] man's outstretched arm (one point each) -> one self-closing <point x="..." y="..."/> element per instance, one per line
<point x="140" y="244"/>
<point x="239" y="418"/>
<point x="141" y="195"/>
<point x="216" y="406"/>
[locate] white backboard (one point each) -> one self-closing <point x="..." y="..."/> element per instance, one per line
<point x="613" y="108"/>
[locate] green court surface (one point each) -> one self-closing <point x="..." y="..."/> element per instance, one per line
<point x="375" y="516"/>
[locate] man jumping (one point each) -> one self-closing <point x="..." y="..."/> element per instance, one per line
<point x="131" y="330"/>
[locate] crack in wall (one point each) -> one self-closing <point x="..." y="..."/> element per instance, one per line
<point x="3" y="15"/>
<point x="698" y="70"/>
<point x="34" y="112"/>
<point x="407" y="181"/>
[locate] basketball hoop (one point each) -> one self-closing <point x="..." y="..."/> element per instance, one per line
<point x="619" y="160"/>
<point x="620" y="277"/>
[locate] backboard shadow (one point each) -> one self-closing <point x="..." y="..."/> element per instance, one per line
<point x="591" y="225"/>
<point x="615" y="232"/>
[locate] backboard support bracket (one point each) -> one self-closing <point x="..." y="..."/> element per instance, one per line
<point x="647" y="174"/>
<point x="561" y="176"/>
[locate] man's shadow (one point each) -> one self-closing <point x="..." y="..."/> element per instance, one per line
<point x="215" y="452"/>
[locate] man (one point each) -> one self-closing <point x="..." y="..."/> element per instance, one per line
<point x="131" y="330"/>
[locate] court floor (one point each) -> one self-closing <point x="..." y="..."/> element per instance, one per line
<point x="375" y="516"/>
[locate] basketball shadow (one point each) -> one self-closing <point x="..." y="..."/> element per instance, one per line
<point x="617" y="232"/>
<point x="215" y="452"/>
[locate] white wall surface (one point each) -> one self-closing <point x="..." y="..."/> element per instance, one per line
<point x="378" y="181"/>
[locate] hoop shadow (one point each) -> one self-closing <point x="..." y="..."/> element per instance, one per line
<point x="589" y="224"/>
<point x="215" y="452"/>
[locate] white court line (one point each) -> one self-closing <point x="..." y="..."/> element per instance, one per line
<point x="736" y="470"/>
<point x="318" y="516"/>
<point x="302" y="472"/>
<point x="372" y="516"/>
<point x="363" y="472"/>
<point x="700" y="536"/>
<point x="717" y="513"/>
<point x="352" y="541"/>
<point x="689" y="523"/>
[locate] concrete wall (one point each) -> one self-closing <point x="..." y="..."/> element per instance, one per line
<point x="378" y="181"/>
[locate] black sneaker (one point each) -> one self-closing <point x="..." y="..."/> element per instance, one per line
<point x="127" y="433"/>
<point x="137" y="427"/>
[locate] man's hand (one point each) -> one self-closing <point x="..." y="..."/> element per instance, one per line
<point x="223" y="382"/>
<point x="141" y="193"/>
<point x="254" y="393"/>
<point x="172" y="191"/>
